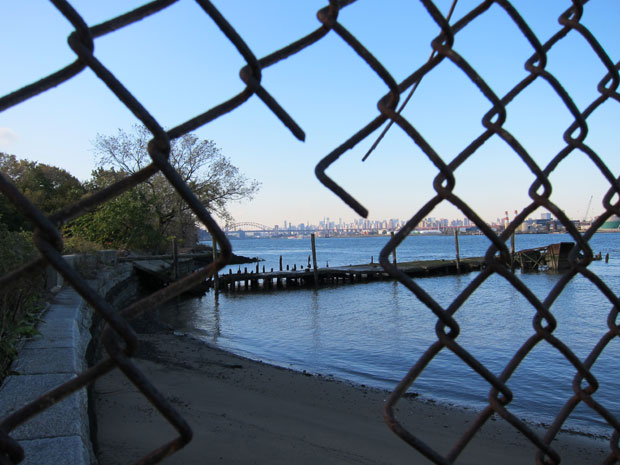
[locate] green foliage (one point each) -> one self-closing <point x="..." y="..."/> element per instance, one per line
<point x="211" y="176"/>
<point x="79" y="245"/>
<point x="139" y="219"/>
<point x="126" y="222"/>
<point x="49" y="188"/>
<point x="20" y="302"/>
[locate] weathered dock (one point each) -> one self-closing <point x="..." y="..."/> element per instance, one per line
<point x="295" y="278"/>
<point x="553" y="257"/>
<point x="160" y="270"/>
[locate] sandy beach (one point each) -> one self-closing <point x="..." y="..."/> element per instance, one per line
<point x="247" y="412"/>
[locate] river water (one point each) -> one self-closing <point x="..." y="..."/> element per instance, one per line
<point x="373" y="333"/>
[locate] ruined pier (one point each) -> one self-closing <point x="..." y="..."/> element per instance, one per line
<point x="308" y="277"/>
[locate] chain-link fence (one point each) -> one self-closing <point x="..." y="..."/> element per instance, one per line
<point x="119" y="338"/>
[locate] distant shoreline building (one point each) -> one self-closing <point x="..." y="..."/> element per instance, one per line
<point x="612" y="224"/>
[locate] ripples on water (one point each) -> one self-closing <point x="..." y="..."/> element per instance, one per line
<point x="373" y="333"/>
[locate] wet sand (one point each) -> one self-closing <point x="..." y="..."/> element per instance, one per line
<point x="247" y="412"/>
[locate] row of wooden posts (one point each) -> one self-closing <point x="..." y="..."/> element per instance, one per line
<point x="314" y="263"/>
<point x="314" y="260"/>
<point x="295" y="278"/>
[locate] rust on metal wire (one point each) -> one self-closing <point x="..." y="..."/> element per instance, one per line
<point x="544" y="322"/>
<point x="47" y="236"/>
<point x="119" y="338"/>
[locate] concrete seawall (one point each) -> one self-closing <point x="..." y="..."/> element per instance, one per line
<point x="61" y="434"/>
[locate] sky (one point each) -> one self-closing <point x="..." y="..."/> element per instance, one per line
<point x="179" y="64"/>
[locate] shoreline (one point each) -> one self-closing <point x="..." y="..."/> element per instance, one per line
<point x="247" y="411"/>
<point x="448" y="404"/>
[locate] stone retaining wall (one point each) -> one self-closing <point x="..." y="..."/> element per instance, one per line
<point x="61" y="434"/>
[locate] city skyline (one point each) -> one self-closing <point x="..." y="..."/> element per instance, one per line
<point x="331" y="93"/>
<point x="385" y="223"/>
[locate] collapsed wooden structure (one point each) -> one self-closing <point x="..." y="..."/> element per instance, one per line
<point x="254" y="279"/>
<point x="162" y="271"/>
<point x="553" y="257"/>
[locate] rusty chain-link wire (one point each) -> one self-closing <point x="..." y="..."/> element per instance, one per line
<point x="497" y="256"/>
<point x="47" y="236"/>
<point x="48" y="239"/>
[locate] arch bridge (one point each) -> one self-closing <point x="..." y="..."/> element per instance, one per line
<point x="246" y="226"/>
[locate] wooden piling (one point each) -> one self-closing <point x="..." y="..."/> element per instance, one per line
<point x="215" y="276"/>
<point x="316" y="273"/>
<point x="458" y="257"/>
<point x="394" y="250"/>
<point x="248" y="279"/>
<point x="280" y="262"/>
<point x="175" y="259"/>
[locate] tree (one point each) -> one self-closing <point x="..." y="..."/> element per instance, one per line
<point x="214" y="180"/>
<point x="48" y="187"/>
<point x="126" y="222"/>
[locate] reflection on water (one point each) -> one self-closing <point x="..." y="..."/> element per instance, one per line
<point x="316" y="329"/>
<point x="216" y="318"/>
<point x="374" y="333"/>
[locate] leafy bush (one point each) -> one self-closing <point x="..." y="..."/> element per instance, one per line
<point x="125" y="222"/>
<point x="20" y="303"/>
<point x="79" y="245"/>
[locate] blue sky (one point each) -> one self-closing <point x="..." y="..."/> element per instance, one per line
<point x="178" y="64"/>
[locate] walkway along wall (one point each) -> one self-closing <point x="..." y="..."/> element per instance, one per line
<point x="61" y="435"/>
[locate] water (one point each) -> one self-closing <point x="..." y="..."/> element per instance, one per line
<point x="374" y="333"/>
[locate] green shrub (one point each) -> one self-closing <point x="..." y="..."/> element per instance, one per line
<point x="20" y="303"/>
<point x="79" y="245"/>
